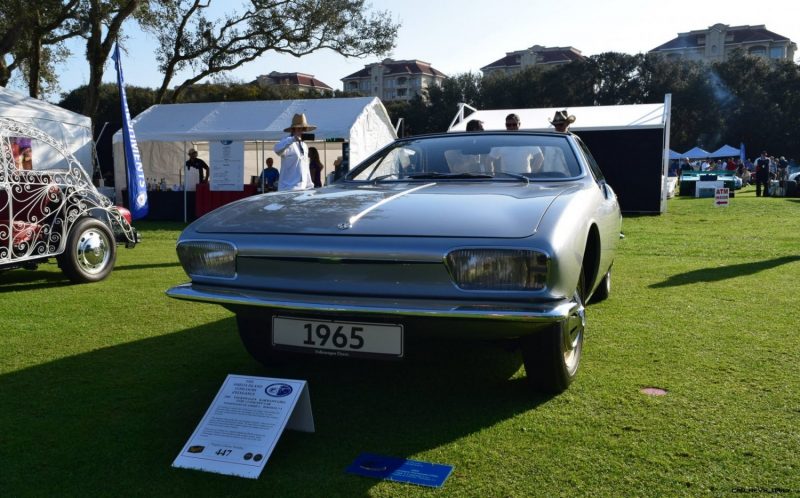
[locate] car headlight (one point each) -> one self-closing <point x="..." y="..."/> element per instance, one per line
<point x="207" y="258"/>
<point x="498" y="269"/>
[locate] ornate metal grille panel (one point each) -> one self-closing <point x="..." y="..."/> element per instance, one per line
<point x="38" y="207"/>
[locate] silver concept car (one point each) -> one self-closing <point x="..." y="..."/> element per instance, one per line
<point x="498" y="235"/>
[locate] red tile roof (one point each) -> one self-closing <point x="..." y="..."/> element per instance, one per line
<point x="741" y="34"/>
<point x="392" y="67"/>
<point x="555" y="55"/>
<point x="301" y="79"/>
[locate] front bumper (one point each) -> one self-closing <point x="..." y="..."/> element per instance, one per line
<point x="473" y="319"/>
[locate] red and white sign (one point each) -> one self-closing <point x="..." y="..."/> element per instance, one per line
<point x="722" y="197"/>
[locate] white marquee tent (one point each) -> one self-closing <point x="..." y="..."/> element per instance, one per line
<point x="611" y="117"/>
<point x="72" y="129"/>
<point x="631" y="143"/>
<point x="165" y="132"/>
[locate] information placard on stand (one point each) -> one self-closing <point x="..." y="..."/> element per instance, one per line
<point x="243" y="424"/>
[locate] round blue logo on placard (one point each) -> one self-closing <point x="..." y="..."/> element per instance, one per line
<point x="278" y="390"/>
<point x="226" y="142"/>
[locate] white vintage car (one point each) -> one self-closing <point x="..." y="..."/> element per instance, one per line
<point x="466" y="235"/>
<point x="55" y="213"/>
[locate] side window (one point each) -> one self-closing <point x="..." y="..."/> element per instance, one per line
<point x="21" y="152"/>
<point x="598" y="175"/>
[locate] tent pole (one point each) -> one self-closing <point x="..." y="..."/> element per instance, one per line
<point x="185" y="182"/>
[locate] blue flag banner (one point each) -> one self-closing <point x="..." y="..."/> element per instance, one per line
<point x="741" y="152"/>
<point x="137" y="185"/>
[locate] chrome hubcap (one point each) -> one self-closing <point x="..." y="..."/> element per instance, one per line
<point x="92" y="251"/>
<point x="573" y="337"/>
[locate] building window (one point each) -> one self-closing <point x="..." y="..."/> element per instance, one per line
<point x="353" y="85"/>
<point x="758" y="51"/>
<point x="401" y="80"/>
<point x="777" y="52"/>
<point x="401" y="92"/>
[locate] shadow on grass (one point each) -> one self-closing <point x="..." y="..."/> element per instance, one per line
<point x="20" y="279"/>
<point x="111" y="421"/>
<point x="716" y="274"/>
<point x="146" y="267"/>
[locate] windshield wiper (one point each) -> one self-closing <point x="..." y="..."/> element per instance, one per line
<point x="517" y="176"/>
<point x="436" y="174"/>
<point x="382" y="177"/>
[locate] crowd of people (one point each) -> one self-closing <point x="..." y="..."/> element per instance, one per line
<point x="301" y="167"/>
<point x="760" y="172"/>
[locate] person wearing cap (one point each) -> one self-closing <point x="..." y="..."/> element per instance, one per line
<point x="561" y="121"/>
<point x="295" y="174"/>
<point x="196" y="162"/>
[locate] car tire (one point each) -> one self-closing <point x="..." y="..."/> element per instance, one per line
<point x="603" y="290"/>
<point x="552" y="356"/>
<point x="90" y="251"/>
<point x="255" y="331"/>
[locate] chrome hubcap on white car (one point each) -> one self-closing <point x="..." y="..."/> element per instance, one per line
<point x="93" y="252"/>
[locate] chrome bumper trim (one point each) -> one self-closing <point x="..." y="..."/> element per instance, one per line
<point x="433" y="308"/>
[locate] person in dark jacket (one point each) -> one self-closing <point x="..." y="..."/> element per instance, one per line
<point x="762" y="174"/>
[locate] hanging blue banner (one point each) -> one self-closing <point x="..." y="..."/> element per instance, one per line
<point x="137" y="185"/>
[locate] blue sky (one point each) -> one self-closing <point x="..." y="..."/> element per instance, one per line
<point x="460" y="36"/>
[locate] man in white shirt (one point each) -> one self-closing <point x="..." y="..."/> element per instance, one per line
<point x="516" y="159"/>
<point x="294" y="174"/>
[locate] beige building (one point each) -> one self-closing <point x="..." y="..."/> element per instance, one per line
<point x="537" y="55"/>
<point x="393" y="80"/>
<point x="299" y="81"/>
<point x="718" y="41"/>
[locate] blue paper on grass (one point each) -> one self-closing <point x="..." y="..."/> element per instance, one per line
<point x="400" y="470"/>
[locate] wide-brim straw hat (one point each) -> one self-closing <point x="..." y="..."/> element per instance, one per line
<point x="299" y="121"/>
<point x="562" y="117"/>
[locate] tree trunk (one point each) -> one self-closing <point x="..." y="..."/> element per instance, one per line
<point x="98" y="48"/>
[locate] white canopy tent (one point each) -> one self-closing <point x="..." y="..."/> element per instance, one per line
<point x="630" y="142"/>
<point x="165" y="132"/>
<point x="72" y="129"/>
<point x="610" y="117"/>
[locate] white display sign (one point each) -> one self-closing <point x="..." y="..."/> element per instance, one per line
<point x="243" y="424"/>
<point x="226" y="158"/>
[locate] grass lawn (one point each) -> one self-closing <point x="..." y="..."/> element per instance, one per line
<point x="102" y="384"/>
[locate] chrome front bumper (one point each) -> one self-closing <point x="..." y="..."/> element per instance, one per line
<point x="401" y="309"/>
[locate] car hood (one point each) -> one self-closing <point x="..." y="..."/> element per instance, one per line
<point x="498" y="209"/>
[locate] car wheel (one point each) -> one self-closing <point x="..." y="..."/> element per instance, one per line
<point x="551" y="356"/>
<point x="255" y="330"/>
<point x="90" y="252"/>
<point x="603" y="290"/>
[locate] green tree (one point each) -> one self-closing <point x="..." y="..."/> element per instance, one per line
<point x="32" y="36"/>
<point x="188" y="39"/>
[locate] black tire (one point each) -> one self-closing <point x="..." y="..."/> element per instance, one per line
<point x="552" y="356"/>
<point x="255" y="332"/>
<point x="603" y="290"/>
<point x="90" y="252"/>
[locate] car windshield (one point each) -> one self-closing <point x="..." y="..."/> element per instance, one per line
<point x="478" y="156"/>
